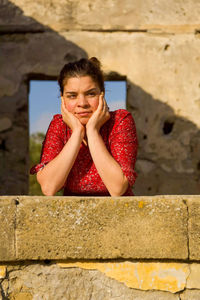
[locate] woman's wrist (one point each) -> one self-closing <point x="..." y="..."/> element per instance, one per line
<point x="91" y="130"/>
<point x="79" y="133"/>
<point x="92" y="134"/>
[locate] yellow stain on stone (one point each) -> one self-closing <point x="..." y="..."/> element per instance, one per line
<point x="145" y="276"/>
<point x="2" y="271"/>
<point x="20" y="296"/>
<point x="141" y="204"/>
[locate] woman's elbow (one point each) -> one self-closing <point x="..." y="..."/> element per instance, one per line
<point x="48" y="194"/>
<point x="120" y="189"/>
<point x="47" y="189"/>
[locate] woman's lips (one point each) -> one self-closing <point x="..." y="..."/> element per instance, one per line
<point x="84" y="113"/>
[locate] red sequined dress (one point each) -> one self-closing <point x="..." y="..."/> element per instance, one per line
<point x="119" y="136"/>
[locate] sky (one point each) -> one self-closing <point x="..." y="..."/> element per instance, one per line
<point x="44" y="101"/>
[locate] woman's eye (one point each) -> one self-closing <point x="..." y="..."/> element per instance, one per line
<point x="71" y="96"/>
<point x="92" y="94"/>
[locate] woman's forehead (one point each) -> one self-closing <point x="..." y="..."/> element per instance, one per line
<point x="77" y="83"/>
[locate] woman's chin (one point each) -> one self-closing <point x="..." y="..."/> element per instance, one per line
<point x="84" y="121"/>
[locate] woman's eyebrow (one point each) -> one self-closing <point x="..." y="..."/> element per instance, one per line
<point x="91" y="90"/>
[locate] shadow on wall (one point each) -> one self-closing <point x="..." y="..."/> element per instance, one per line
<point x="29" y="50"/>
<point x="169" y="147"/>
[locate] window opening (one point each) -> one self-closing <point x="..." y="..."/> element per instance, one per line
<point x="115" y="94"/>
<point x="44" y="102"/>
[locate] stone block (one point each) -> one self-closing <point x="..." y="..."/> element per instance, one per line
<point x="52" y="282"/>
<point x="193" y="281"/>
<point x="7" y="228"/>
<point x="105" y="15"/>
<point x="194" y="227"/>
<point x="170" y="277"/>
<point x="5" y="124"/>
<point x="94" y="228"/>
<point x="190" y="295"/>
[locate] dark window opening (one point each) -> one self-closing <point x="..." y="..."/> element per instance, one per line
<point x="168" y="127"/>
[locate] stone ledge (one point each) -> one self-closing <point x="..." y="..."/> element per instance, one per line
<point x="7" y="228"/>
<point x="194" y="228"/>
<point x="97" y="228"/>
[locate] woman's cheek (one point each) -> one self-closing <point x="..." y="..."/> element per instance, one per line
<point x="96" y="104"/>
<point x="70" y="106"/>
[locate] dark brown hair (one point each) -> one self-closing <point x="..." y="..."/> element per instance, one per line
<point x="83" y="67"/>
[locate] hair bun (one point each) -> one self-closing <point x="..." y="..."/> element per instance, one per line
<point x="95" y="61"/>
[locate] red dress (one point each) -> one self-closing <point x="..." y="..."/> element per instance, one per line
<point x="119" y="135"/>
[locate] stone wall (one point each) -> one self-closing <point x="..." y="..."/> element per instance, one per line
<point x="100" y="248"/>
<point x="155" y="45"/>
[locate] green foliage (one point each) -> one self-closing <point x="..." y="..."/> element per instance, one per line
<point x="35" y="147"/>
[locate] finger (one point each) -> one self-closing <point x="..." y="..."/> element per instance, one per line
<point x="105" y="105"/>
<point x="101" y="103"/>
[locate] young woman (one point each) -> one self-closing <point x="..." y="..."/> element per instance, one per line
<point x="87" y="149"/>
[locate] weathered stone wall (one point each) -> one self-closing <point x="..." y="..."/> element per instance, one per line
<point x="154" y="44"/>
<point x="100" y="248"/>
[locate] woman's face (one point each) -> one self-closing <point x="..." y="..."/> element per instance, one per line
<point x="81" y="97"/>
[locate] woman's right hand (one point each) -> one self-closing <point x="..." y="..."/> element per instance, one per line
<point x="71" y="120"/>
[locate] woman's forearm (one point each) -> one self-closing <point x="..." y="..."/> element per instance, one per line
<point x="53" y="176"/>
<point x="107" y="167"/>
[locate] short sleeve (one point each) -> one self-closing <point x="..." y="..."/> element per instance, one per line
<point x="124" y="144"/>
<point x="52" y="144"/>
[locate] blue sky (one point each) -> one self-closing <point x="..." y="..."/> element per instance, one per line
<point x="44" y="101"/>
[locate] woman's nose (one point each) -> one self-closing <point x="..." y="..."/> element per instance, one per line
<point x="82" y="101"/>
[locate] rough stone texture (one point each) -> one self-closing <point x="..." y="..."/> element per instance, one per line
<point x="194" y="228"/>
<point x="169" y="277"/>
<point x="109" y="15"/>
<point x="190" y="295"/>
<point x="193" y="279"/>
<point x="5" y="124"/>
<point x="7" y="228"/>
<point x="51" y="282"/>
<point x="81" y="228"/>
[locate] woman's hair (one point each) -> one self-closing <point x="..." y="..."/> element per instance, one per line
<point x="83" y="67"/>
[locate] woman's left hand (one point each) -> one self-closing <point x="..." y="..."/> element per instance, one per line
<point x="100" y="116"/>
